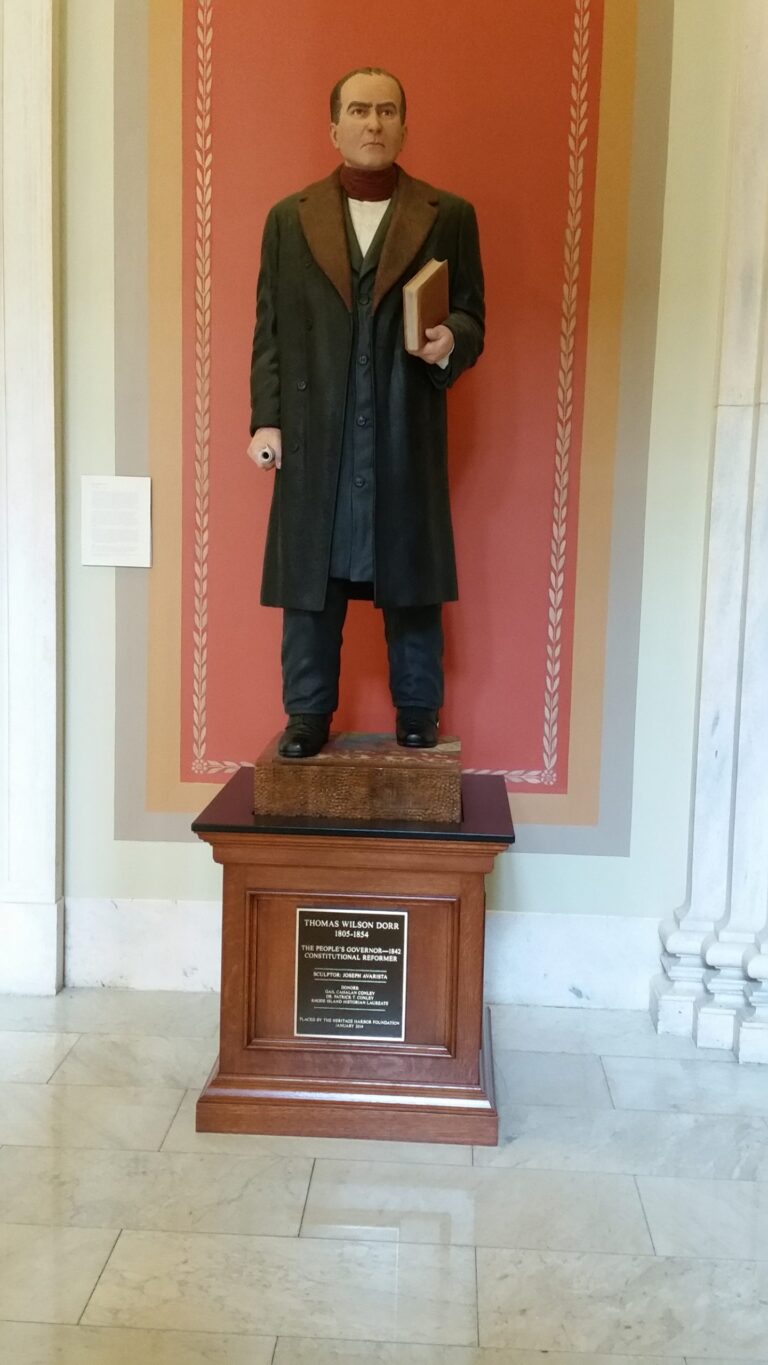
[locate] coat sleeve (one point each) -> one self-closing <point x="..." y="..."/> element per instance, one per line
<point x="467" y="301"/>
<point x="265" y="369"/>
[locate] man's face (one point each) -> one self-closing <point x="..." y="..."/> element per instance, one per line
<point x="370" y="131"/>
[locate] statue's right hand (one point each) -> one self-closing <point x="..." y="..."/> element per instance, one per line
<point x="266" y="448"/>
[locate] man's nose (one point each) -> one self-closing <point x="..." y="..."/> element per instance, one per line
<point x="374" y="120"/>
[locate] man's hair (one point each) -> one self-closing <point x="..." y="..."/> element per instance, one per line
<point x="363" y="71"/>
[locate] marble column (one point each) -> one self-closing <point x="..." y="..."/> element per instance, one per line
<point x="715" y="981"/>
<point x="31" y="908"/>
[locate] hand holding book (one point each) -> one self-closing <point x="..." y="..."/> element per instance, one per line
<point x="425" y="308"/>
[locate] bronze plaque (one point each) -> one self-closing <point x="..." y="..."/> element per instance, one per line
<point x="351" y="973"/>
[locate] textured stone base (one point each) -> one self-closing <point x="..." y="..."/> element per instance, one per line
<point x="362" y="777"/>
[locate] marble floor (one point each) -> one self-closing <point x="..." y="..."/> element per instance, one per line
<point x="624" y="1213"/>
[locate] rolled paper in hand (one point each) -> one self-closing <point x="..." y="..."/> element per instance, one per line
<point x="266" y="457"/>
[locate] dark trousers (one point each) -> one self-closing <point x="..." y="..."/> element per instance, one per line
<point x="311" y="654"/>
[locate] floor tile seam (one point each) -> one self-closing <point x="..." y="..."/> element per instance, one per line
<point x="331" y="1240"/>
<point x="130" y="1036"/>
<point x="477" y="1300"/>
<point x="281" y="1157"/>
<point x="539" y="1351"/>
<point x="132" y="1032"/>
<point x="53" y="1147"/>
<point x="97" y="1085"/>
<point x="60" y="1227"/>
<point x="704" y="1180"/>
<point x="132" y="1327"/>
<point x="649" y="1109"/>
<point x="351" y="1242"/>
<point x="41" y="1033"/>
<point x="70" y="1226"/>
<point x="192" y="1151"/>
<point x="422" y="1344"/>
<point x="436" y="1167"/>
<point x="98" y="1278"/>
<point x="604" y="1074"/>
<point x="72" y="1045"/>
<point x="306" y="1197"/>
<point x="120" y="1034"/>
<point x="690" y="1261"/>
<point x="539" y="1107"/>
<point x="61" y="1062"/>
<point x="183" y="1096"/>
<point x="629" y="1174"/>
<point x="578" y="1249"/>
<point x="337" y="1160"/>
<point x="645" y="1216"/>
<point x="150" y="1086"/>
<point x="598" y="1052"/>
<point x="385" y="1162"/>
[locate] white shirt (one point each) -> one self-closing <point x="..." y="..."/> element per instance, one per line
<point x="366" y="215"/>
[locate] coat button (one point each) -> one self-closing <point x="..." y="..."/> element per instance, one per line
<point x="359" y="482"/>
<point x="362" y="421"/>
<point x="295" y="446"/>
<point x="364" y="300"/>
<point x="362" y="360"/>
<point x="301" y="384"/>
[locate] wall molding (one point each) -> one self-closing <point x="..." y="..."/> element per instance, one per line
<point x="30" y="673"/>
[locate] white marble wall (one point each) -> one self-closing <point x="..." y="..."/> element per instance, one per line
<point x="31" y="914"/>
<point x="715" y="981"/>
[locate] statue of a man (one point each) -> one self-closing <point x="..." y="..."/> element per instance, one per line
<point x="355" y="424"/>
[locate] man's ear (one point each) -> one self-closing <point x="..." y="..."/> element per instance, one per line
<point x="334" y="136"/>
<point x="405" y="135"/>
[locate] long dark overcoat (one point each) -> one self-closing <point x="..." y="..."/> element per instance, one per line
<point x="300" y="364"/>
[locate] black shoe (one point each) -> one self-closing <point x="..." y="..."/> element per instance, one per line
<point x="304" y="736"/>
<point x="416" y="727"/>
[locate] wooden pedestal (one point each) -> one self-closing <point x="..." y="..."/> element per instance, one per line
<point x="436" y="1085"/>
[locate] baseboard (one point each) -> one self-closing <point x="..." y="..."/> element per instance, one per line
<point x="589" y="961"/>
<point x="31" y="947"/>
<point x="597" y="961"/>
<point x="143" y="945"/>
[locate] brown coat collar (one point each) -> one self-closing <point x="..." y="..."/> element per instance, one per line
<point x="321" y="215"/>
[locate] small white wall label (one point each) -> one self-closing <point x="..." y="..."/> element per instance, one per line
<point x="116" y="521"/>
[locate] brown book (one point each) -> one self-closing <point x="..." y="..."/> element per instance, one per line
<point x="425" y="303"/>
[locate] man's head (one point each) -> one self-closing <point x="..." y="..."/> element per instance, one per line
<point x="368" y="118"/>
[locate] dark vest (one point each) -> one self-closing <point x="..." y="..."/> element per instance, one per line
<point x="352" y="548"/>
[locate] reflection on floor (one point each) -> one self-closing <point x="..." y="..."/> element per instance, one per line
<point x="624" y="1213"/>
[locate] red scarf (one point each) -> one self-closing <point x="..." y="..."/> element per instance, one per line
<point x="371" y="185"/>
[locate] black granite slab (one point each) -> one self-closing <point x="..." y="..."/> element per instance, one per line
<point x="485" y="816"/>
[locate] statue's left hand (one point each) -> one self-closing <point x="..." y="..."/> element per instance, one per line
<point x="438" y="346"/>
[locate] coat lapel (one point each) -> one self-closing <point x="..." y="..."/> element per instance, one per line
<point x="321" y="214"/>
<point x="414" y="212"/>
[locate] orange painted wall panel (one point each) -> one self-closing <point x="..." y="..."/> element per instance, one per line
<point x="502" y="109"/>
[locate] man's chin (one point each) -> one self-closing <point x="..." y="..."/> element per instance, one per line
<point x="374" y="161"/>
